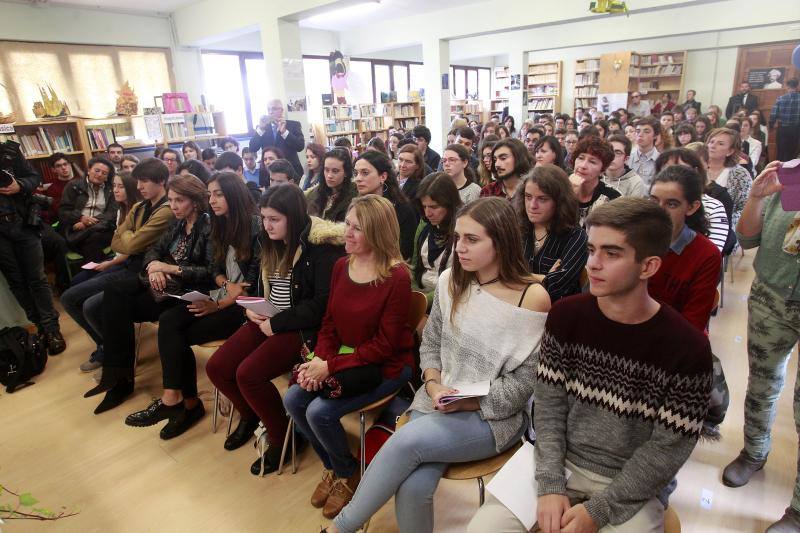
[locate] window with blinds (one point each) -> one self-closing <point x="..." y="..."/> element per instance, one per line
<point x="86" y="77"/>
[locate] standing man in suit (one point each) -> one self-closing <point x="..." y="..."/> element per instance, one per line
<point x="742" y="99"/>
<point x="274" y="130"/>
<point x="691" y="102"/>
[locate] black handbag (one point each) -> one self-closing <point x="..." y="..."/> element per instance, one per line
<point x="173" y="286"/>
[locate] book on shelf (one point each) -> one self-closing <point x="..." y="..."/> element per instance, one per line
<point x="100" y="138"/>
<point x="543" y="90"/>
<point x="589" y="65"/>
<point x="390" y="96"/>
<point x="543" y="78"/>
<point x="585" y="91"/>
<point x="540" y="104"/>
<point x="590" y="78"/>
<point x="338" y="126"/>
<point x="585" y="102"/>
<point x="202" y="123"/>
<point x="546" y="68"/>
<point x="46" y="142"/>
<point x="404" y="110"/>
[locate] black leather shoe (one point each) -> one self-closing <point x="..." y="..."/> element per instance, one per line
<point x="154" y="413"/>
<point x="272" y="457"/>
<point x="185" y="419"/>
<point x="115" y="396"/>
<point x="242" y="434"/>
<point x="55" y="342"/>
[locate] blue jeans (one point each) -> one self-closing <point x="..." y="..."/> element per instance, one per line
<point x="318" y="420"/>
<point x="411" y="463"/>
<point x="84" y="301"/>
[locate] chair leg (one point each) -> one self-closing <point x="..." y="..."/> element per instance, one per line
<point x="481" y="491"/>
<point x="230" y="422"/>
<point x="362" y="436"/>
<point x="216" y="410"/>
<point x="294" y="451"/>
<point x="289" y="433"/>
<point x="138" y="347"/>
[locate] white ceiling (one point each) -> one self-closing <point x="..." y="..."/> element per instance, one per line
<point x="376" y="12"/>
<point x="143" y="6"/>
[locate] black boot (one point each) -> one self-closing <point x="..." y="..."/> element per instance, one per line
<point x="154" y="413"/>
<point x="55" y="342"/>
<point x="242" y="434"/>
<point x="115" y="396"/>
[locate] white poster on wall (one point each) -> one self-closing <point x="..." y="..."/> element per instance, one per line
<point x="609" y="102"/>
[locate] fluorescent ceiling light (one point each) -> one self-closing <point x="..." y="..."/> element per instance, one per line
<point x="344" y="15"/>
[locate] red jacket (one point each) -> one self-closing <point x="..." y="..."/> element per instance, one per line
<point x="372" y="318"/>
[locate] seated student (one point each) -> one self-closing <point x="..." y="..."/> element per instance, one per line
<point x="344" y="142"/>
<point x="250" y="170"/>
<point x="553" y="243"/>
<point x="548" y="151"/>
<point x="87" y="211"/>
<point x="281" y="172"/>
<point x="466" y="138"/>
<point x="455" y="162"/>
<point x="297" y="257"/>
<point x="410" y="169"/>
<point x="689" y="273"/>
<point x="510" y="161"/>
<point x="196" y="169"/>
<point x="209" y="156"/>
<point x="269" y="155"/>
<point x="377" y="144"/>
<point x="433" y="243"/>
<point x="355" y="362"/>
<point x="229" y="144"/>
<point x="178" y="262"/>
<point x="423" y="137"/>
<point x="143" y="225"/>
<point x="233" y="262"/>
<point x="485" y="176"/>
<point x="684" y="134"/>
<point x="229" y="161"/>
<point x="331" y="198"/>
<point x="619" y="176"/>
<point x="722" y="145"/>
<point x="64" y="171"/>
<point x="190" y="151"/>
<point x="126" y="195"/>
<point x="717" y="203"/>
<point x="171" y="158"/>
<point x="621" y="458"/>
<point x="488" y="289"/>
<point x="374" y="174"/>
<point x="592" y="157"/>
<point x="315" y="153"/>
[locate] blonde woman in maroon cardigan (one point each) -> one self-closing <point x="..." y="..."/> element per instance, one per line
<point x="364" y="347"/>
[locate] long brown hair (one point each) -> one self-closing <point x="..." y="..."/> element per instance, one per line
<point x="378" y="220"/>
<point x="498" y="219"/>
<point x="418" y="160"/>
<point x="235" y="228"/>
<point x="289" y="201"/>
<point x="191" y="187"/>
<point x="553" y="182"/>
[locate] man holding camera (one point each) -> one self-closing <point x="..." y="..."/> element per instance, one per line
<point x="21" y="256"/>
<point x="274" y="130"/>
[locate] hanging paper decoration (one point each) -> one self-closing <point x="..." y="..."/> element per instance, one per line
<point x="608" y="6"/>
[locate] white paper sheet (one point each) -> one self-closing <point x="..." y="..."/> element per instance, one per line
<point x="515" y="485"/>
<point x="258" y="305"/>
<point x="193" y="296"/>
<point x="89" y="266"/>
<point x="466" y="390"/>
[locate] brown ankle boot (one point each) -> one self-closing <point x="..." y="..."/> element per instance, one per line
<point x="323" y="489"/>
<point x="741" y="469"/>
<point x="341" y="494"/>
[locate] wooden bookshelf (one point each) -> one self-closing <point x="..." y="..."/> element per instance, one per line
<point x="42" y="138"/>
<point x="587" y="82"/>
<point x="405" y="115"/>
<point x="657" y="73"/>
<point x="544" y="87"/>
<point x="499" y="89"/>
<point x="467" y="109"/>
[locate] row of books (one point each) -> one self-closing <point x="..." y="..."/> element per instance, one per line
<point x="543" y="78"/>
<point x="654" y="59"/>
<point x="664" y="70"/>
<point x="100" y="138"/>
<point x="586" y="91"/>
<point x="590" y="78"/>
<point x="338" y="126"/>
<point x="589" y="64"/>
<point x="543" y="69"/>
<point x="465" y="108"/>
<point x="373" y="123"/>
<point x="651" y="85"/>
<point x="540" y="90"/>
<point x="541" y="104"/>
<point x="348" y="112"/>
<point x="585" y="102"/>
<point x="406" y="110"/>
<point x="406" y="123"/>
<point x="46" y="141"/>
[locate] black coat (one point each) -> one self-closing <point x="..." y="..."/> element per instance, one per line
<point x="13" y="162"/>
<point x="735" y="102"/>
<point x="293" y="143"/>
<point x="74" y="198"/>
<point x="196" y="268"/>
<point x="338" y="211"/>
<point x="321" y="245"/>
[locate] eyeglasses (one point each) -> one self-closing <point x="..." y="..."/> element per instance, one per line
<point x="571" y="142"/>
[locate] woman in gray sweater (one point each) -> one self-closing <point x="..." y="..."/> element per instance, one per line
<point x="486" y="291"/>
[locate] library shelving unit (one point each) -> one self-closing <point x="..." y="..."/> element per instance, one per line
<point x="499" y="89"/>
<point x="42" y="138"/>
<point x="544" y="87"/>
<point x="587" y="82"/>
<point x="658" y="73"/>
<point x="358" y="122"/>
<point x="467" y="109"/>
<point x="406" y="115"/>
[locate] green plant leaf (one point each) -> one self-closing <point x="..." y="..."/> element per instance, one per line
<point x="27" y="500"/>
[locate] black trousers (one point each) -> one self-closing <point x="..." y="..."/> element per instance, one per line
<point x="788" y="142"/>
<point x="127" y="302"/>
<point x="22" y="263"/>
<point x="91" y="247"/>
<point x="55" y="250"/>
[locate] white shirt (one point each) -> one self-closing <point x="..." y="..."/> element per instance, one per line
<point x="755" y="150"/>
<point x="644" y="164"/>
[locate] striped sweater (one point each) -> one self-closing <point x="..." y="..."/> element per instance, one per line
<point x="625" y="401"/>
<point x="489" y="339"/>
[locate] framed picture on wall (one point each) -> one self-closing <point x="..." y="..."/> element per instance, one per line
<point x="766" y="78"/>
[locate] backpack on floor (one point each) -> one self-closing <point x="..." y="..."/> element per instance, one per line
<point x="384" y="427"/>
<point x="22" y="356"/>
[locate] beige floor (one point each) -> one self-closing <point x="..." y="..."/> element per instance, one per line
<point x="127" y="479"/>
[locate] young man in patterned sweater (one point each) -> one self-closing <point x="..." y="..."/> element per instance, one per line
<point x="622" y="387"/>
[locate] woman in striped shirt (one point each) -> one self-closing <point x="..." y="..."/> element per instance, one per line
<point x="297" y="257"/>
<point x="554" y="244"/>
